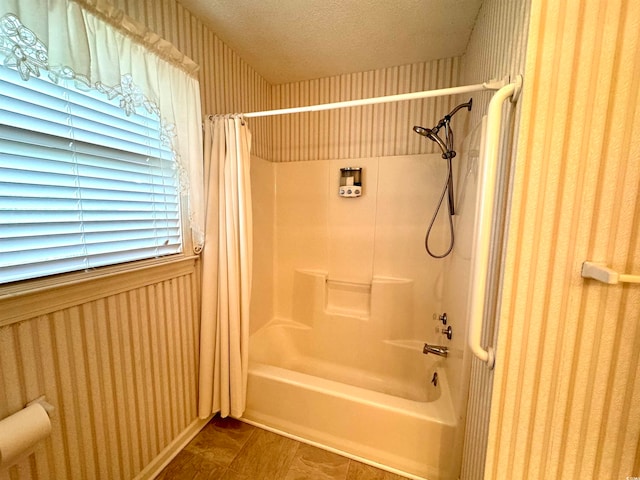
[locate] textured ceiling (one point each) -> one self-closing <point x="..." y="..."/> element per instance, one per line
<point x="292" y="40"/>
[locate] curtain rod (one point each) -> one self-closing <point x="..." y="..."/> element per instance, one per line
<point x="491" y="85"/>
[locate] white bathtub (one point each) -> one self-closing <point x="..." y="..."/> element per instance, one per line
<point x="369" y="399"/>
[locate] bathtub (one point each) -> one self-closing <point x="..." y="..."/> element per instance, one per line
<point x="340" y="386"/>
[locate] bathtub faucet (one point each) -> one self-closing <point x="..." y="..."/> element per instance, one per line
<point x="435" y="349"/>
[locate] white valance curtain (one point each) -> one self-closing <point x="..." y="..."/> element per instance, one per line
<point x="226" y="268"/>
<point x="98" y="47"/>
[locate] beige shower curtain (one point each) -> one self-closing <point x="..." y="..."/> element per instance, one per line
<point x="226" y="267"/>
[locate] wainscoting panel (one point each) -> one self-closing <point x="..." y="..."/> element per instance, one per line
<point x="121" y="372"/>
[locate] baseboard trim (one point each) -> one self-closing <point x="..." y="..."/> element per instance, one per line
<point x="153" y="469"/>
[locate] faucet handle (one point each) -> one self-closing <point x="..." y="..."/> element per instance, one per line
<point x="448" y="332"/>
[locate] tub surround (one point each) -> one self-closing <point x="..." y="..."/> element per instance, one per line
<point x="340" y="381"/>
<point x="404" y="436"/>
<point x="340" y="362"/>
<point x="354" y="240"/>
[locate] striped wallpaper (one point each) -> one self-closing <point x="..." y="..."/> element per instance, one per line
<point x="227" y="83"/>
<point x="496" y="50"/>
<point x="567" y="351"/>
<point x="567" y="381"/>
<point x="360" y="132"/>
<point x="120" y="369"/>
<point x="120" y="365"/>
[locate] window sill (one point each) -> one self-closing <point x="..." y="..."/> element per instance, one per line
<point x="33" y="298"/>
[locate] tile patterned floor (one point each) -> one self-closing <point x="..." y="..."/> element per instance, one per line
<point x="227" y="449"/>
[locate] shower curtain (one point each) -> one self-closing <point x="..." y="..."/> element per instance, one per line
<point x="226" y="267"/>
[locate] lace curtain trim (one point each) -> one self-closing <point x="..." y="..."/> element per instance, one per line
<point x="140" y="33"/>
<point x="24" y="52"/>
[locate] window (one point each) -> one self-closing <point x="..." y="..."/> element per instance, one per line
<point x="85" y="181"/>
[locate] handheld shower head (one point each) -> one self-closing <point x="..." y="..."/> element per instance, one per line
<point x="432" y="135"/>
<point x="447" y="153"/>
<point x="425" y="132"/>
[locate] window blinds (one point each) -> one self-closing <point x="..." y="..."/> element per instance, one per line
<point x="82" y="184"/>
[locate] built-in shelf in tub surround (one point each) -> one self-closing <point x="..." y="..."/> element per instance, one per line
<point x="348" y="298"/>
<point x="317" y="297"/>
